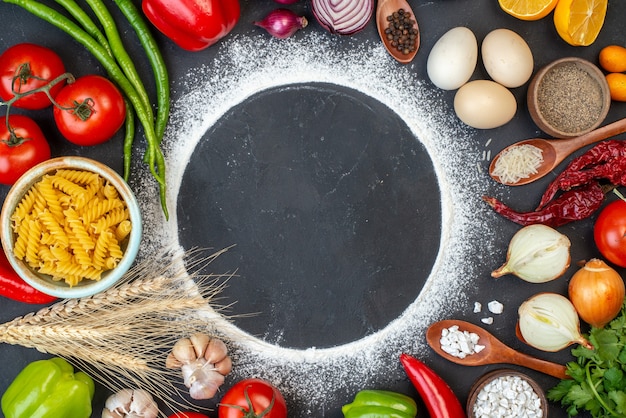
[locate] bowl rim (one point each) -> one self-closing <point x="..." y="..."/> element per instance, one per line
<point x="482" y="381"/>
<point x="25" y="182"/>
<point x="533" y="88"/>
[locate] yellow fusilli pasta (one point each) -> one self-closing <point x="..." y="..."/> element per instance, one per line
<point x="71" y="225"/>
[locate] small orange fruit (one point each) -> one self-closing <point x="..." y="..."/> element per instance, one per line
<point x="528" y="9"/>
<point x="613" y="58"/>
<point x="617" y="86"/>
<point x="578" y="22"/>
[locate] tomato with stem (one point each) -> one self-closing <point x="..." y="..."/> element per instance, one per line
<point x="252" y="398"/>
<point x="90" y="110"/>
<point x="25" y="67"/>
<point x="22" y="146"/>
<point x="609" y="232"/>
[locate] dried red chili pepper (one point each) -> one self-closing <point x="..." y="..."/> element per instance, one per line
<point x="439" y="398"/>
<point x="606" y="160"/>
<point x="14" y="287"/>
<point x="572" y="205"/>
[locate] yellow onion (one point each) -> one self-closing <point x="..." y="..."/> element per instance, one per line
<point x="549" y="322"/>
<point x="597" y="292"/>
<point x="536" y="254"/>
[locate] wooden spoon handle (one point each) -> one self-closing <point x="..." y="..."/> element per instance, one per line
<point x="607" y="131"/>
<point x="543" y="366"/>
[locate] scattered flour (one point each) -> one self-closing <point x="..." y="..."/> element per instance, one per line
<point x="313" y="378"/>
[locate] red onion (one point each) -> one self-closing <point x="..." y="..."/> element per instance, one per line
<point x="343" y="17"/>
<point x="282" y="23"/>
<point x="286" y="1"/>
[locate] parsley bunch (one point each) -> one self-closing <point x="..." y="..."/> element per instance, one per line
<point x="598" y="383"/>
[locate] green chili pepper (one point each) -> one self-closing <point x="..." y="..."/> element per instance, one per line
<point x="49" y="389"/>
<point x="380" y="404"/>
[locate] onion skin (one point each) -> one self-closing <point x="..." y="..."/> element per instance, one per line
<point x="343" y="17"/>
<point x="597" y="292"/>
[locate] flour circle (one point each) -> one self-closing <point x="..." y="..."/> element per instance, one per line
<point x="312" y="378"/>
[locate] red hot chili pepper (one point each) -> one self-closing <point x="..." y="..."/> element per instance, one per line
<point x="193" y="24"/>
<point x="572" y="205"/>
<point x="14" y="287"/>
<point x="606" y="160"/>
<point x="439" y="398"/>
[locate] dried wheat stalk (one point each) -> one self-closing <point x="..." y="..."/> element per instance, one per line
<point x="121" y="337"/>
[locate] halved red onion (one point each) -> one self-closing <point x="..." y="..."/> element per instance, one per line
<point x="343" y="17"/>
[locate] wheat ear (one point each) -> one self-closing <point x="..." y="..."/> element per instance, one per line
<point x="122" y="336"/>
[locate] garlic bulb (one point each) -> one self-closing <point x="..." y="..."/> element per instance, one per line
<point x="549" y="322"/>
<point x="129" y="403"/>
<point x="204" y="363"/>
<point x="537" y="254"/>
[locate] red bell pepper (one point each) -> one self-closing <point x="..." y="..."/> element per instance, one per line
<point x="193" y="24"/>
<point x="14" y="287"/>
<point x="439" y="398"/>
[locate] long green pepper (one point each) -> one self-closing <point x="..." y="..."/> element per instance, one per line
<point x="156" y="161"/>
<point x="153" y="53"/>
<point x="119" y="52"/>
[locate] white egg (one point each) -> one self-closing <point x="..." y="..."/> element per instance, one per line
<point x="452" y="60"/>
<point x="484" y="104"/>
<point x="507" y="58"/>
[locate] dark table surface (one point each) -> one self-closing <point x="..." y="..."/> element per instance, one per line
<point x="333" y="202"/>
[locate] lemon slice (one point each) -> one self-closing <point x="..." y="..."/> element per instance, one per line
<point x="528" y="9"/>
<point x="579" y="22"/>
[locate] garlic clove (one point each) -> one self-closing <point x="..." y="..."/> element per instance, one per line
<point x="171" y="362"/>
<point x="224" y="366"/>
<point x="549" y="322"/>
<point x="184" y="351"/>
<point x="216" y="351"/>
<point x="200" y="343"/>
<point x="537" y="254"/>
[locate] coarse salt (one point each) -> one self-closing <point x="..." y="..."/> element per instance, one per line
<point x="508" y="396"/>
<point x="460" y="343"/>
<point x="495" y="307"/>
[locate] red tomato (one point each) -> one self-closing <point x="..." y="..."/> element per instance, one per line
<point x="92" y="110"/>
<point x="24" y="67"/>
<point x="188" y="415"/>
<point x="259" y="394"/>
<point x="27" y="148"/>
<point x="609" y="232"/>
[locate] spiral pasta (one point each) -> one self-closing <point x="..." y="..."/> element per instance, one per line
<point x="71" y="225"/>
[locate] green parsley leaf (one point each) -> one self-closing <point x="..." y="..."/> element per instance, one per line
<point x="598" y="376"/>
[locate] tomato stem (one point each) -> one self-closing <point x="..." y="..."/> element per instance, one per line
<point x="23" y="73"/>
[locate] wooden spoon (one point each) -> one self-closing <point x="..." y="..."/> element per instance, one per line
<point x="556" y="150"/>
<point x="386" y="8"/>
<point x="495" y="351"/>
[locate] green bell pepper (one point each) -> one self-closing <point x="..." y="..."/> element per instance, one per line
<point x="380" y="404"/>
<point x="49" y="389"/>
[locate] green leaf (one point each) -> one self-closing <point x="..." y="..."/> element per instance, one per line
<point x="579" y="395"/>
<point x="619" y="397"/>
<point x="559" y="391"/>
<point x="607" y="344"/>
<point x="613" y="379"/>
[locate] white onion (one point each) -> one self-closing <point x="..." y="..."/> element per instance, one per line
<point x="343" y="17"/>
<point x="549" y="322"/>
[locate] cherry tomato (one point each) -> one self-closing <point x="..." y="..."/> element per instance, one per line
<point x="188" y="415"/>
<point x="92" y="110"/>
<point x="252" y="395"/>
<point x="609" y="232"/>
<point x="24" y="67"/>
<point x="22" y="149"/>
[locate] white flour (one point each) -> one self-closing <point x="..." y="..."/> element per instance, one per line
<point x="312" y="378"/>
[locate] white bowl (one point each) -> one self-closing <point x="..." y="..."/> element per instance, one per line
<point x="43" y="282"/>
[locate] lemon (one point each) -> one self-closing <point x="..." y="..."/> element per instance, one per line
<point x="579" y="22"/>
<point x="528" y="9"/>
